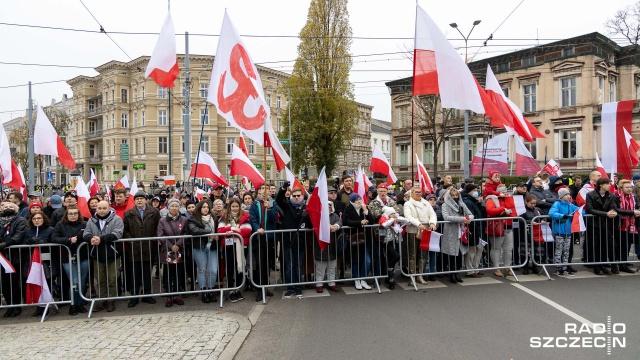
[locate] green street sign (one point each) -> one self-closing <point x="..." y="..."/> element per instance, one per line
<point x="268" y="166"/>
<point x="116" y="172"/>
<point x="284" y="141"/>
<point x="124" y="152"/>
<point x="258" y="166"/>
<point x="140" y="166"/>
<point x="98" y="167"/>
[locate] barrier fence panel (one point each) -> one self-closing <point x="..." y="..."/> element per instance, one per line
<point x="293" y="258"/>
<point x="55" y="260"/>
<point x="609" y="244"/>
<point x="495" y="244"/>
<point x="143" y="268"/>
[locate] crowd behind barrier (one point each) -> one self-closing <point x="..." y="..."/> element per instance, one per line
<point x="170" y="247"/>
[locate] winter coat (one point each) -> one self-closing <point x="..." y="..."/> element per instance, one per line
<point x="376" y="205"/>
<point x="244" y="225"/>
<point x="62" y="235"/>
<point x="343" y="197"/>
<point x="545" y="199"/>
<point x="598" y="206"/>
<point x="295" y="218"/>
<point x="259" y="214"/>
<point x="530" y="214"/>
<point x="120" y="209"/>
<point x="14" y="234"/>
<point x="617" y="208"/>
<point x="418" y="212"/>
<point x="561" y="225"/>
<point x="56" y="216"/>
<point x="136" y="227"/>
<point x="168" y="226"/>
<point x="353" y="218"/>
<point x="495" y="207"/>
<point x="329" y="252"/>
<point x="112" y="230"/>
<point x="476" y="228"/>
<point x="196" y="228"/>
<point x="454" y="212"/>
<point x="35" y="235"/>
<point x="490" y="188"/>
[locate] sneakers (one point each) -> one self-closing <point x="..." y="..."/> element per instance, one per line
<point x="358" y="285"/>
<point x="561" y="273"/>
<point x="233" y="298"/>
<point x="319" y="289"/>
<point x="239" y="296"/>
<point x="289" y="294"/>
<point x="298" y="293"/>
<point x="365" y="286"/>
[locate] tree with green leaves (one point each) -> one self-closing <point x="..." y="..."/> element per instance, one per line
<point x="323" y="110"/>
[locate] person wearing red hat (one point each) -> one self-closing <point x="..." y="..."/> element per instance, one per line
<point x="34" y="206"/>
<point x="491" y="185"/>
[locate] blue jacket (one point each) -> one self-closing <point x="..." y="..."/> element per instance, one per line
<point x="257" y="210"/>
<point x="560" y="225"/>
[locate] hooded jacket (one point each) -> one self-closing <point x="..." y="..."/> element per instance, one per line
<point x="112" y="230"/>
<point x="62" y="234"/>
<point x="454" y="212"/>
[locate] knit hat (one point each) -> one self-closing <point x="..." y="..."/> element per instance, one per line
<point x="636" y="177"/>
<point x="55" y="201"/>
<point x="493" y="172"/>
<point x="431" y="196"/>
<point x="140" y="194"/>
<point x="190" y="202"/>
<point x="354" y="197"/>
<point x="469" y="188"/>
<point x="501" y="188"/>
<point x="563" y="192"/>
<point x="388" y="210"/>
<point x="173" y="201"/>
<point x="382" y="185"/>
<point x="35" y="203"/>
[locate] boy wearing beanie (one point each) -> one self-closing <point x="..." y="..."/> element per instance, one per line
<point x="562" y="212"/>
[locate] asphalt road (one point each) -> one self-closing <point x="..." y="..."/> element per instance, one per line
<point x="490" y="321"/>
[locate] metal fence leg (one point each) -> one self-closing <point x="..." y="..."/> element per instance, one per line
<point x="413" y="282"/>
<point x="264" y="295"/>
<point x="221" y="298"/>
<point x="44" y="314"/>
<point x="93" y="303"/>
<point x="544" y="267"/>
<point x="378" y="285"/>
<point x="513" y="273"/>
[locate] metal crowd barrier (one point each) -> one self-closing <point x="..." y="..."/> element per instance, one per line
<point x="479" y="254"/>
<point x="602" y="246"/>
<point x="292" y="258"/>
<point x="130" y="275"/>
<point x="14" y="285"/>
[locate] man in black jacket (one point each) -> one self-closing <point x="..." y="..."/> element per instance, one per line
<point x="545" y="197"/>
<point x="13" y="232"/>
<point x="599" y="240"/>
<point x="293" y="243"/>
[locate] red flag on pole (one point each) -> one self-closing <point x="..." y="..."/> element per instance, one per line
<point x="318" y="208"/>
<point x="37" y="290"/>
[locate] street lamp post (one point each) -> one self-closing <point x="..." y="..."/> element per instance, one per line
<point x="465" y="148"/>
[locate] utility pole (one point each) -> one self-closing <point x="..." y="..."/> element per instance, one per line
<point x="30" y="142"/>
<point x="187" y="100"/>
<point x="169" y="170"/>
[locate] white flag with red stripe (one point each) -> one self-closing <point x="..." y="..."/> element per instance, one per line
<point x="23" y="187"/>
<point x="616" y="117"/>
<point x="163" y="65"/>
<point x="205" y="167"/>
<point x="525" y="163"/>
<point x="241" y="165"/>
<point x="243" y="145"/>
<point x="122" y="183"/>
<point x="6" y="265"/>
<point x="552" y="168"/>
<point x="581" y="198"/>
<point x="295" y="183"/>
<point x="600" y="168"/>
<point x="94" y="188"/>
<point x="577" y="223"/>
<point x="430" y="240"/>
<point x="131" y="203"/>
<point x="380" y="164"/>
<point x="318" y="208"/>
<point x="633" y="147"/>
<point x="236" y="88"/>
<point x="246" y="183"/>
<point x="47" y="142"/>
<point x="271" y="140"/>
<point x="5" y="157"/>
<point x="199" y="194"/>
<point x="37" y="290"/>
<point x="83" y="198"/>
<point x="361" y="186"/>
<point x="107" y="190"/>
<point x="426" y="186"/>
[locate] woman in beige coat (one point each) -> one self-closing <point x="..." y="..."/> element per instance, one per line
<point x="421" y="216"/>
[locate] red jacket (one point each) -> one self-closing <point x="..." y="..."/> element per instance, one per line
<point x="490" y="189"/>
<point x="120" y="209"/>
<point x="495" y="211"/>
<point x="245" y="228"/>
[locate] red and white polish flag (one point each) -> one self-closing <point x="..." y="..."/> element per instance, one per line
<point x="122" y="183"/>
<point x="616" y="118"/>
<point x="83" y="198"/>
<point x="23" y="187"/>
<point x="246" y="183"/>
<point x="206" y="168"/>
<point x="361" y="186"/>
<point x="600" y="168"/>
<point x="430" y="240"/>
<point x="131" y="201"/>
<point x="169" y="180"/>
<point x="163" y="65"/>
<point x="241" y="165"/>
<point x="633" y="147"/>
<point x="525" y="163"/>
<point x="577" y="222"/>
<point x="295" y="183"/>
<point x="243" y="145"/>
<point x="552" y="168"/>
<point x="318" y="208"/>
<point x="426" y="186"/>
<point x="581" y="198"/>
<point x="5" y="157"/>
<point x="43" y="133"/>
<point x="37" y="290"/>
<point x="6" y="265"/>
<point x="107" y="190"/>
<point x="199" y="194"/>
<point x="94" y="188"/>
<point x="236" y="87"/>
<point x="271" y="140"/>
<point x="380" y="164"/>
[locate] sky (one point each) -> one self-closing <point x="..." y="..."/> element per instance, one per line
<point x="383" y="33"/>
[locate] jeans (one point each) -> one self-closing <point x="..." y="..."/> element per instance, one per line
<point x="293" y="257"/>
<point x="360" y="261"/>
<point x="207" y="263"/>
<point x="431" y="260"/>
<point x="72" y="274"/>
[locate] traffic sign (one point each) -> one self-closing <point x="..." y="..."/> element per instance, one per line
<point x="284" y="141"/>
<point x="124" y="152"/>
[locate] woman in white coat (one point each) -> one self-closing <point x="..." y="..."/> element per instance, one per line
<point x="421" y="216"/>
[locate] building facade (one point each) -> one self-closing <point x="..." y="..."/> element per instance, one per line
<point x="559" y="87"/>
<point x="359" y="151"/>
<point x="381" y="136"/>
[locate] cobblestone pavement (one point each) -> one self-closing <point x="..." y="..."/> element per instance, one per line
<point x="185" y="335"/>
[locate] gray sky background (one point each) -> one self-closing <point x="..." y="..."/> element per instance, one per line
<point x="379" y="27"/>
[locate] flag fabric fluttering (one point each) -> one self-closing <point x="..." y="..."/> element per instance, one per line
<point x="271" y="140"/>
<point x="122" y="183"/>
<point x="360" y="186"/>
<point x="241" y="165"/>
<point x="243" y="145"/>
<point x="616" y="118"/>
<point x="163" y="64"/>
<point x="6" y="265"/>
<point x="380" y="164"/>
<point x="83" y="198"/>
<point x="236" y="87"/>
<point x="494" y="154"/>
<point x="37" y="289"/>
<point x="43" y="141"/>
<point x="430" y="240"/>
<point x="552" y="168"/>
<point x="525" y="163"/>
<point x="577" y="222"/>
<point x="5" y="157"/>
<point x="426" y="186"/>
<point x="295" y="183"/>
<point x="94" y="188"/>
<point x="318" y="209"/>
<point x="600" y="168"/>
<point x="107" y="190"/>
<point x="131" y="203"/>
<point x="206" y="168"/>
<point x="633" y="147"/>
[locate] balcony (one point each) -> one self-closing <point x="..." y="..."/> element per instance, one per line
<point x="95" y="112"/>
<point x="95" y="159"/>
<point x="94" y="134"/>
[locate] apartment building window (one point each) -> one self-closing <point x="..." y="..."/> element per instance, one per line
<point x="278" y="120"/>
<point x="163" y="169"/>
<point x="135" y="146"/>
<point x="142" y="118"/>
<point x="106" y="97"/>
<point x="113" y="121"/>
<point x="204" y="117"/>
<point x="162" y="92"/>
<point x="162" y="117"/>
<point x="113" y="95"/>
<point x="570" y="51"/>
<point x="135" y="119"/>
<point x="612" y="91"/>
<point x="473" y="147"/>
<point x="637" y="91"/>
<point x="124" y="95"/>
<point x="92" y="126"/>
<point x="124" y="120"/>
<point x="505" y="91"/>
<point x="162" y="145"/>
<point x="533" y="148"/>
<point x="251" y="147"/>
<point x="182" y="140"/>
<point x="204" y="90"/>
<point x="268" y="151"/>
<point x="400" y="117"/>
<point x="455" y="149"/>
<point x="205" y="144"/>
<point x="568" y="90"/>
<point x="600" y="89"/>
<point x="135" y="94"/>
<point x="269" y="100"/>
<point x="144" y="145"/>
<point x="403" y="159"/>
<point x="503" y="67"/>
<point x="142" y="91"/>
<point x="568" y="144"/>
<point x="529" y="92"/>
<point x="427" y="152"/>
<point x="185" y="115"/>
<point x="278" y="101"/>
<point x="230" y="143"/>
<point x="529" y="61"/>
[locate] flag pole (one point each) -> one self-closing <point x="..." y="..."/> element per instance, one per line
<point x="264" y="152"/>
<point x="169" y="126"/>
<point x="206" y="113"/>
<point x="412" y="173"/>
<point x="484" y="145"/>
<point x="511" y="153"/>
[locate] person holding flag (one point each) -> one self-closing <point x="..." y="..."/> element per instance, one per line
<point x="38" y="233"/>
<point x="626" y="204"/>
<point x="562" y="213"/>
<point x="421" y="216"/>
<point x="357" y="216"/>
<point x="263" y="213"/>
<point x="15" y="228"/>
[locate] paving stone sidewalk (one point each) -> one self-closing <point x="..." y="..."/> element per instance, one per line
<point x="185" y="335"/>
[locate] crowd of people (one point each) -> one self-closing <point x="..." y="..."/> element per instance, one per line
<point x="190" y="241"/>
